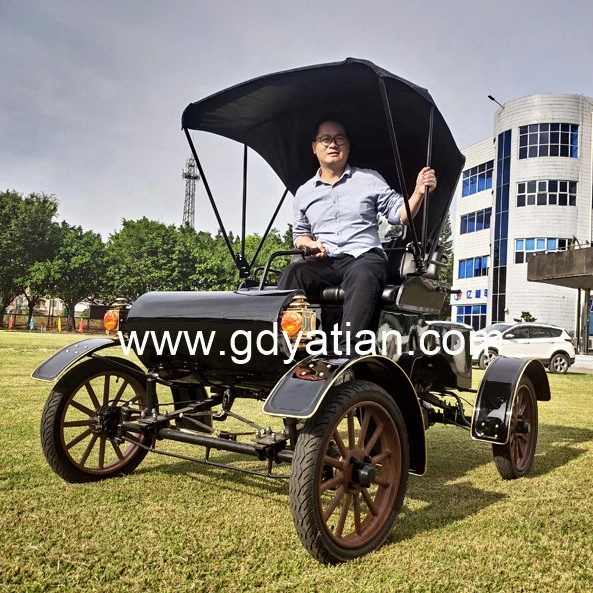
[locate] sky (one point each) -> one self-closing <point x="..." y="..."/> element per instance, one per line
<point x="93" y="91"/>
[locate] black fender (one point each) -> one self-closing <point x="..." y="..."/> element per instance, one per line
<point x="300" y="392"/>
<point x="57" y="363"/>
<point x="496" y="395"/>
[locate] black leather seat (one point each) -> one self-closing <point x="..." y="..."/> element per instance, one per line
<point x="401" y="266"/>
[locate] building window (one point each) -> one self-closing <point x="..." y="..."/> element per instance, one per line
<point x="533" y="245"/>
<point x="547" y="193"/>
<point x="476" y="221"/>
<point x="501" y="226"/>
<point x="473" y="267"/>
<point x="548" y="140"/>
<point x="477" y="179"/>
<point x="474" y="315"/>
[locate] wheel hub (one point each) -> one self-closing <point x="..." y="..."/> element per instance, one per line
<point x="106" y="421"/>
<point x="364" y="474"/>
<point x="360" y="471"/>
<point x="523" y="427"/>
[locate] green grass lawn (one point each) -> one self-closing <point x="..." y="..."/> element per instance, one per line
<point x="178" y="526"/>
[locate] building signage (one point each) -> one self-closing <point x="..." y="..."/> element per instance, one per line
<point x="478" y="293"/>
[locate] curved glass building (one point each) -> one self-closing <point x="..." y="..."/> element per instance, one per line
<point x="526" y="190"/>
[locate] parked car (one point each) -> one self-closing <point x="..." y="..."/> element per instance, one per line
<point x="481" y="336"/>
<point x="552" y="345"/>
<point x="451" y="325"/>
<point x="446" y="328"/>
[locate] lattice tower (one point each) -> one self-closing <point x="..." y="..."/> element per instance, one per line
<point x="191" y="175"/>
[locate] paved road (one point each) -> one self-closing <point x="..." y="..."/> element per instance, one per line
<point x="583" y="364"/>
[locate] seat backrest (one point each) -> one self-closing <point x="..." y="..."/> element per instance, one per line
<point x="407" y="265"/>
<point x="396" y="252"/>
<point x="402" y="265"/>
<point x="436" y="263"/>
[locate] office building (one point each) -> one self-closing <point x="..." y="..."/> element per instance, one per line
<point x="526" y="190"/>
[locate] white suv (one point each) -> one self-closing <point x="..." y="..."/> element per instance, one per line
<point x="552" y="345"/>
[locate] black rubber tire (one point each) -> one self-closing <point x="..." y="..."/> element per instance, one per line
<point x="323" y="477"/>
<point x="486" y="357"/>
<point x="559" y="363"/>
<point x="70" y="408"/>
<point x="515" y="458"/>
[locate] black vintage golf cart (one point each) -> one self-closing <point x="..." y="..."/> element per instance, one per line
<point x="351" y="426"/>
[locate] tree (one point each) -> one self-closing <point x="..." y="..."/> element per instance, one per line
<point x="39" y="239"/>
<point x="77" y="269"/>
<point x="142" y="258"/>
<point x="223" y="270"/>
<point x="525" y="316"/>
<point x="188" y="244"/>
<point x="446" y="276"/>
<point x="274" y="242"/>
<point x="213" y="266"/>
<point x="27" y="236"/>
<point x="9" y="206"/>
<point x="147" y="255"/>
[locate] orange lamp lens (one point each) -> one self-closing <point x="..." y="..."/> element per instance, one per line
<point x="111" y="320"/>
<point x="291" y="323"/>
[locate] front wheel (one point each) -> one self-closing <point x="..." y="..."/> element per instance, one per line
<point x="559" y="363"/>
<point x="515" y="458"/>
<point x="349" y="473"/>
<point x="80" y="419"/>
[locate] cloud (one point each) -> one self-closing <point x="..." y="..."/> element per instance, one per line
<point x="94" y="91"/>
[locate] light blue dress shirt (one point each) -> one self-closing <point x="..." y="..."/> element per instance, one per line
<point x="343" y="216"/>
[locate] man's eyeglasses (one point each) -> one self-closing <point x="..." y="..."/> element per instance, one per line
<point x="326" y="140"/>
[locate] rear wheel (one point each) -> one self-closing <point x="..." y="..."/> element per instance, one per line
<point x="349" y="473"/>
<point x="559" y="363"/>
<point x="80" y="419"/>
<point x="515" y="458"/>
<point x="486" y="358"/>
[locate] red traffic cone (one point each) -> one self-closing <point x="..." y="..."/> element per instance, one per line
<point x="81" y="326"/>
<point x="10" y="321"/>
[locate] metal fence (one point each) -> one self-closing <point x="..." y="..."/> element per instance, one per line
<point x="51" y="323"/>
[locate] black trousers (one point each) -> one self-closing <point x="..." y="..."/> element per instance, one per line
<point x="362" y="279"/>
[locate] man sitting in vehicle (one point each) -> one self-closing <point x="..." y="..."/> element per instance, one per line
<point x="336" y="213"/>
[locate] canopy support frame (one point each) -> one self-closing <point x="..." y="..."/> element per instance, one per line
<point x="418" y="249"/>
<point x="243" y="266"/>
<point x="426" y="190"/>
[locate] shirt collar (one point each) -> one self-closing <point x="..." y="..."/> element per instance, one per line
<point x="317" y="179"/>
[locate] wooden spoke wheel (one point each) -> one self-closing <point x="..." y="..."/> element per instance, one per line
<point x="350" y="473"/>
<point x="515" y="458"/>
<point x="80" y="420"/>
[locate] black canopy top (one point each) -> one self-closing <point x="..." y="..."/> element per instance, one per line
<point x="275" y="116"/>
